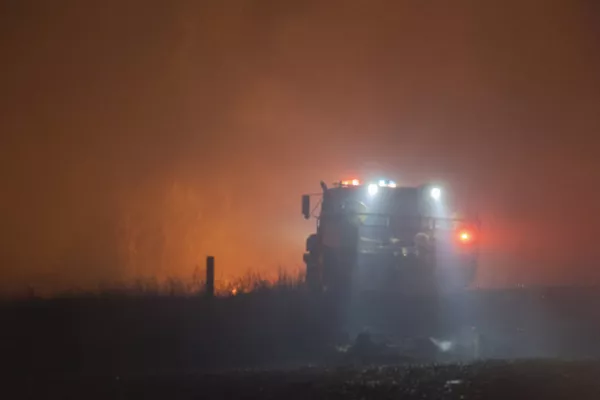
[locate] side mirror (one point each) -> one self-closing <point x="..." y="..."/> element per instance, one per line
<point x="306" y="206"/>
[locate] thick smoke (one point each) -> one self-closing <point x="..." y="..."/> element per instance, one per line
<point x="139" y="137"/>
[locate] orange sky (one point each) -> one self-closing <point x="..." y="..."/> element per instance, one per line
<point x="140" y="136"/>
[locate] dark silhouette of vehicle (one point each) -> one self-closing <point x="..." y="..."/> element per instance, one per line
<point x="383" y="236"/>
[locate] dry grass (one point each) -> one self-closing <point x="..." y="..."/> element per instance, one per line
<point x="251" y="282"/>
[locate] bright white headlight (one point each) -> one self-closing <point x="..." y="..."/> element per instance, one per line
<point x="373" y="188"/>
<point x="436" y="193"/>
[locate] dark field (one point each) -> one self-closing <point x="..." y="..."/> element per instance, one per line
<point x="172" y="346"/>
<point x="483" y="380"/>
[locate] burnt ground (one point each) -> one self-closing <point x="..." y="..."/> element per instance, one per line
<point x="541" y="379"/>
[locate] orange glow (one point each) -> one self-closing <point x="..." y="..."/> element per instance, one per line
<point x="115" y="173"/>
<point x="465" y="236"/>
<point x="353" y="182"/>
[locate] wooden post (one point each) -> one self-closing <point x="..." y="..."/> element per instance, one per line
<point x="210" y="276"/>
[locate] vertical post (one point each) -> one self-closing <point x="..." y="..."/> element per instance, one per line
<point x="210" y="276"/>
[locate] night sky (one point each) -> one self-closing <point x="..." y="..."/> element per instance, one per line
<point x="137" y="137"/>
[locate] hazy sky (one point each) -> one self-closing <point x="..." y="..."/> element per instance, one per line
<point x="140" y="136"/>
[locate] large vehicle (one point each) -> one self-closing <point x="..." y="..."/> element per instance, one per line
<point x="382" y="236"/>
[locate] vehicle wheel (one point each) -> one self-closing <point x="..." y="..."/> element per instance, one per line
<point x="313" y="277"/>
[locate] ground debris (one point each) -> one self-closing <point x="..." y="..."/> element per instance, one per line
<point x="548" y="379"/>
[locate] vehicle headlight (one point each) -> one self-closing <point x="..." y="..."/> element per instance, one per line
<point x="436" y="193"/>
<point x="373" y="188"/>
